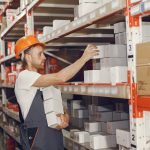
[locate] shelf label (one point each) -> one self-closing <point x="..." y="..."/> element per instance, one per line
<point x="114" y="90"/>
<point x="65" y="89"/>
<point x="76" y="89"/>
<point x="70" y="89"/>
<point x="115" y="4"/>
<point x="83" y="89"/>
<point x="102" y="10"/>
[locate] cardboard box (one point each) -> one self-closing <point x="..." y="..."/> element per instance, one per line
<point x="104" y="116"/>
<point x="52" y="120"/>
<point x="102" y="141"/>
<point x="120" y="116"/>
<point x="92" y="126"/>
<point x="59" y="23"/>
<point x="81" y="113"/>
<point x="118" y="74"/>
<point x="123" y="138"/>
<point x="143" y="68"/>
<point x="113" y="62"/>
<point x="143" y="74"/>
<point x="120" y="27"/>
<point x="82" y="137"/>
<point x="143" y="54"/>
<point x="104" y="75"/>
<point x="113" y="125"/>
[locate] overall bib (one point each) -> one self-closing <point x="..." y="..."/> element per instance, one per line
<point x="34" y="131"/>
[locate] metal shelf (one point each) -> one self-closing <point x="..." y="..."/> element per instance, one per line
<point x="11" y="114"/>
<point x="66" y="134"/>
<point x="11" y="29"/>
<point x="7" y="58"/>
<point x="17" y="139"/>
<point x="103" y="90"/>
<point x="99" y="14"/>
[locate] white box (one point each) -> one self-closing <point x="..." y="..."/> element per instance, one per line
<point x="86" y="8"/>
<point x="92" y="126"/>
<point x="92" y="76"/>
<point x="81" y="113"/>
<point x="104" y="108"/>
<point x="59" y="23"/>
<point x="124" y="148"/>
<point x="123" y="138"/>
<point x="104" y="126"/>
<point x="96" y="65"/>
<point x="120" y="116"/>
<point x="101" y="49"/>
<point x="47" y="30"/>
<point x="118" y="74"/>
<point x="52" y="105"/>
<point x="104" y="116"/>
<point x="120" y="107"/>
<point x="120" y="27"/>
<point x="113" y="62"/>
<point x="122" y="38"/>
<point x="82" y="137"/>
<point x="105" y="75"/>
<point x="102" y="141"/>
<point x="76" y="104"/>
<point x="115" y="50"/>
<point x="52" y="120"/>
<point x="113" y="125"/>
<point x="72" y="131"/>
<point x="52" y="96"/>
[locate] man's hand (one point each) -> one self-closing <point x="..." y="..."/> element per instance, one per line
<point x="64" y="120"/>
<point x="90" y="51"/>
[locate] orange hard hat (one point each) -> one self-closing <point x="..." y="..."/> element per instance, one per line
<point x="26" y="42"/>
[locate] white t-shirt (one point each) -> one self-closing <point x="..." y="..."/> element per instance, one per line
<point x="24" y="90"/>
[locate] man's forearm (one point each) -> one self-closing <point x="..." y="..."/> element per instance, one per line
<point x="68" y="72"/>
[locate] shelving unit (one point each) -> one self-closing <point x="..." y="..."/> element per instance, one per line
<point x="78" y="34"/>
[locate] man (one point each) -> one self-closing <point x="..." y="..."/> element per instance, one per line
<point x="35" y="133"/>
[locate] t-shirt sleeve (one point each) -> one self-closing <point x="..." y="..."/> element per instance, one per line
<point x="27" y="79"/>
